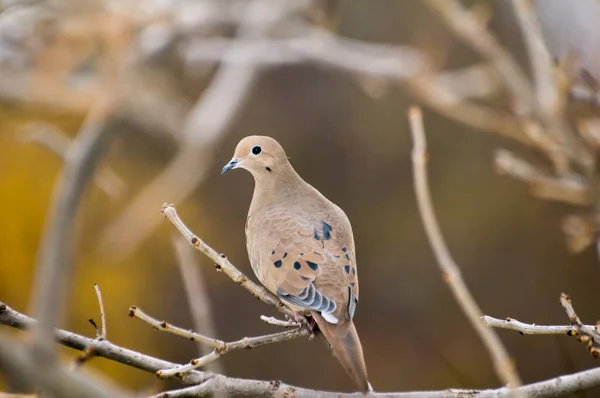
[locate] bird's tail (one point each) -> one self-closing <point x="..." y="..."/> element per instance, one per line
<point x="346" y="346"/>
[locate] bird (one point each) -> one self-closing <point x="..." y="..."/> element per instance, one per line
<point x="301" y="248"/>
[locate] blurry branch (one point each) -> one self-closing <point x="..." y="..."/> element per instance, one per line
<point x="466" y="26"/>
<point x="547" y="95"/>
<point x="54" y="261"/>
<point x="58" y="142"/>
<point x="222" y="264"/>
<point x="17" y="363"/>
<point x="503" y="364"/>
<point x="197" y="295"/>
<point x="206" y="123"/>
<point x="242" y="58"/>
<point x="586" y="333"/>
<point x="220" y="347"/>
<point x="205" y="384"/>
<point x="570" y="190"/>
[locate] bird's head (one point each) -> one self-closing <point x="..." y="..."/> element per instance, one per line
<point x="259" y="155"/>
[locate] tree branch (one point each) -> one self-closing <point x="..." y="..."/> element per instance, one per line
<point x="224" y="265"/>
<point x="54" y="260"/>
<point x="197" y="295"/>
<point x="204" y="384"/>
<point x="586" y="333"/>
<point x="503" y="364"/>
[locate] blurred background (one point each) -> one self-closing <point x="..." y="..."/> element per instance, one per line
<point x="184" y="99"/>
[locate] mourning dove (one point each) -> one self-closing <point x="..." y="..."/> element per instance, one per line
<point x="301" y="248"/>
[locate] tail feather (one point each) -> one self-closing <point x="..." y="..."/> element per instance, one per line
<point x="346" y="346"/>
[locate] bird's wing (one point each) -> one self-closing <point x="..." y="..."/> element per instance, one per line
<point x="306" y="256"/>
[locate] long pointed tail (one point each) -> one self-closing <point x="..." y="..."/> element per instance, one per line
<point x="347" y="348"/>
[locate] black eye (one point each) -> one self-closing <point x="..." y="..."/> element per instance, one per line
<point x="256" y="149"/>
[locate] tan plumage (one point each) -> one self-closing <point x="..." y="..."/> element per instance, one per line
<point x="301" y="247"/>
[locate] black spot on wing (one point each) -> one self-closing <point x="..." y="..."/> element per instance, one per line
<point x="297" y="265"/>
<point x="347" y="268"/>
<point x="344" y="249"/>
<point x="272" y="252"/>
<point x="313" y="266"/>
<point x="326" y="231"/>
<point x="277" y="264"/>
<point x="284" y="254"/>
<point x="347" y="257"/>
<point x="353" y="271"/>
<point x="316" y="236"/>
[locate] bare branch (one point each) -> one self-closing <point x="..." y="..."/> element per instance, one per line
<point x="527" y="328"/>
<point x="589" y="336"/>
<point x="208" y="120"/>
<point x="102" y="335"/>
<point x="245" y="343"/>
<point x="503" y="364"/>
<point x="17" y="361"/>
<point x="54" y="261"/>
<point x="58" y="142"/>
<point x="198" y="298"/>
<point x="205" y="384"/>
<point x="223" y="264"/>
<point x="278" y="322"/>
<point x="90" y="350"/>
<point x="547" y="94"/>
<point x="104" y="349"/>
<point x="466" y="26"/>
<point x="569" y="189"/>
<point x="167" y="327"/>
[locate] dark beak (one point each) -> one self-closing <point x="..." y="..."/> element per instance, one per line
<point x="230" y="165"/>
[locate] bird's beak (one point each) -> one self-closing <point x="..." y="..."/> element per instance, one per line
<point x="231" y="165"/>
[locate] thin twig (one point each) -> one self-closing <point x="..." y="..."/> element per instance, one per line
<point x="528" y="328"/>
<point x="589" y="336"/>
<point x="167" y="327"/>
<point x="586" y="333"/>
<point x="224" y="265"/>
<point x="220" y="347"/>
<point x="243" y="344"/>
<point x="503" y="364"/>
<point x="205" y="384"/>
<point x="278" y="322"/>
<point x="102" y="335"/>
<point x="90" y="350"/>
<point x="197" y="295"/>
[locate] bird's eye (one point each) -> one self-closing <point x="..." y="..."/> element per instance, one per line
<point x="256" y="149"/>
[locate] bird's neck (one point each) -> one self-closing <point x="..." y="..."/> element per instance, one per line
<point x="280" y="186"/>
